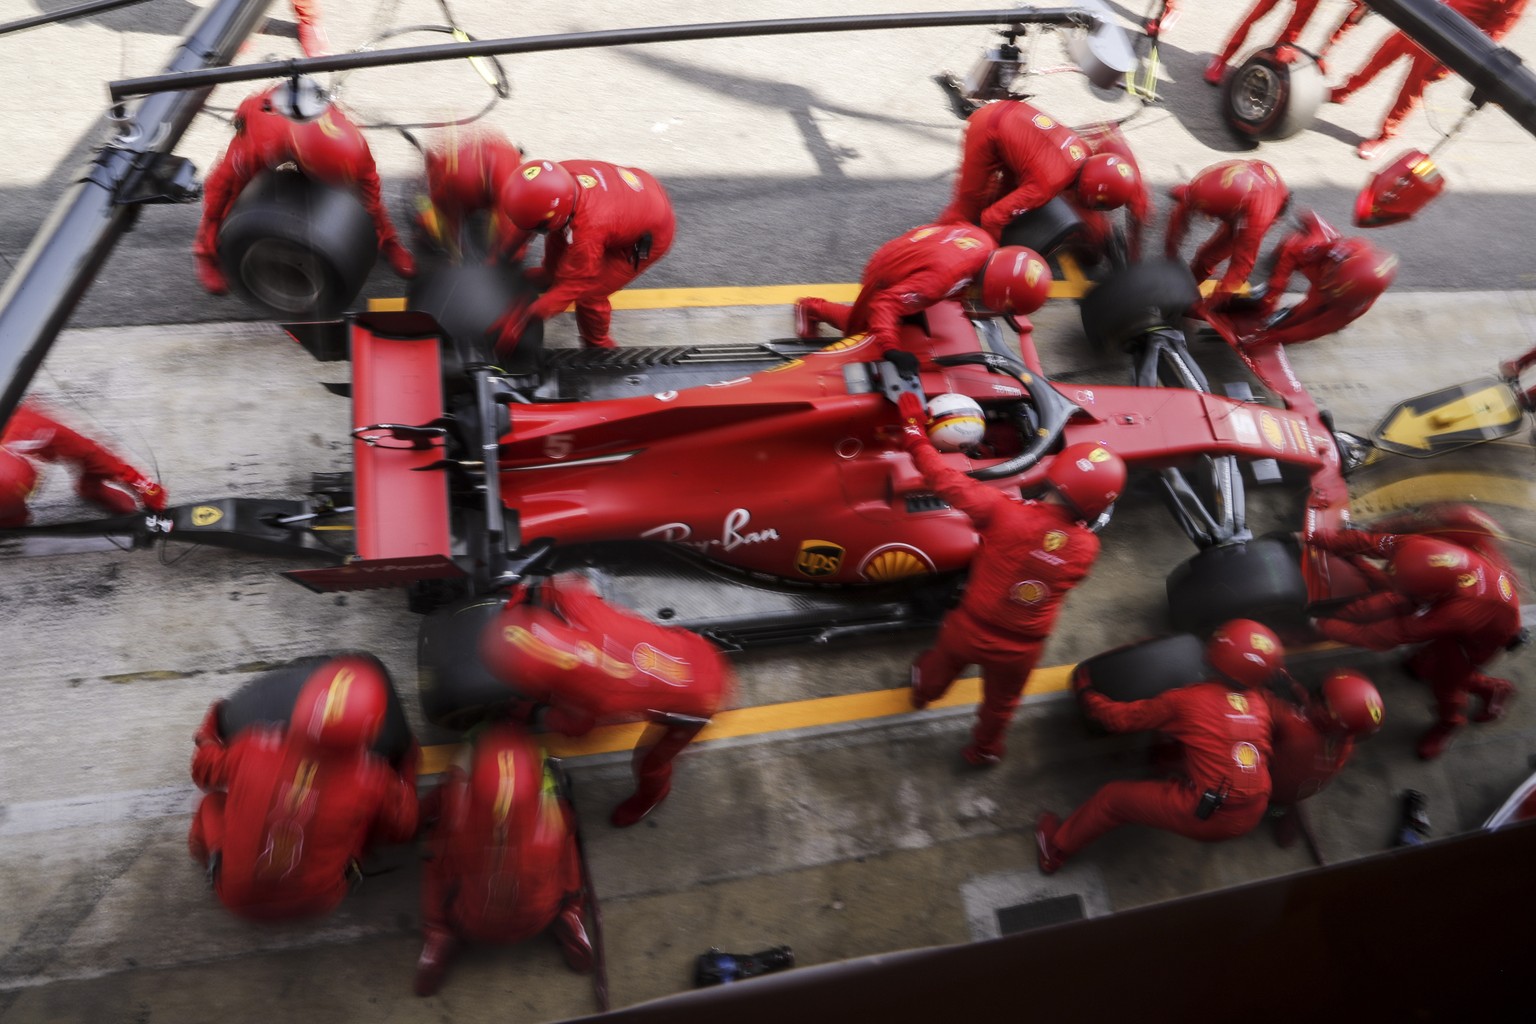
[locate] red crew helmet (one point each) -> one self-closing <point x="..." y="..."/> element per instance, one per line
<point x="1089" y="477"/>
<point x="1015" y="280"/>
<point x="1352" y="702"/>
<point x="1107" y="182"/>
<point x="342" y="704"/>
<point x="1426" y="568"/>
<point x="539" y="196"/>
<point x="1246" y="652"/>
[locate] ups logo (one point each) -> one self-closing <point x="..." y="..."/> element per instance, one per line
<point x="818" y="558"/>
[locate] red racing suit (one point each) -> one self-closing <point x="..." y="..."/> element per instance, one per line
<point x="1246" y="196"/>
<point x="1461" y="633"/>
<point x="594" y="664"/>
<point x="465" y="177"/>
<point x="1107" y="138"/>
<point x="1292" y="31"/>
<point x="31" y="434"/>
<point x="1015" y="158"/>
<point x="1031" y="554"/>
<point x="312" y="38"/>
<point x="1494" y="17"/>
<point x="1306" y="755"/>
<point x="1226" y="738"/>
<point x="503" y="861"/>
<point x="329" y="149"/>
<point x="622" y="223"/>
<point x="906" y="275"/>
<point x="288" y="819"/>
<point x="1341" y="289"/>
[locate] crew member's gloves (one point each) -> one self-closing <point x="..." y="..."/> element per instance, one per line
<point x="509" y="329"/>
<point x="905" y="362"/>
<point x="538" y="277"/>
<point x="148" y="491"/>
<point x="208" y="732"/>
<point x="1094" y="703"/>
<point x="913" y="418"/>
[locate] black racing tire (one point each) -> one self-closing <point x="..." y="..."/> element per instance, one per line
<point x="467" y="300"/>
<point x="1267" y="99"/>
<point x="1256" y="579"/>
<point x="456" y="688"/>
<point x="1144" y="669"/>
<point x="1045" y="228"/>
<point x="268" y="700"/>
<point x="1139" y="298"/>
<point x="297" y="248"/>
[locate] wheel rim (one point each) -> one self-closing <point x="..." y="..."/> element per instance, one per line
<point x="1256" y="94"/>
<point x="283" y="275"/>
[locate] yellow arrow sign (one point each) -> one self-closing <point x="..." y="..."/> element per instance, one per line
<point x="1451" y="418"/>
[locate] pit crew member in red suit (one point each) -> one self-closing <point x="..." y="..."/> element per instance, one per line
<point x="290" y="811"/>
<point x="1246" y="196"/>
<point x="604" y="226"/>
<point x="1345" y="275"/>
<point x="1314" y="738"/>
<point x="312" y="38"/>
<point x="923" y="267"/>
<point x="1462" y="607"/>
<point x="1293" y="29"/>
<point x="1224" y="726"/>
<point x="465" y="175"/>
<point x="594" y="664"/>
<point x="105" y="480"/>
<point x="503" y="863"/>
<point x="1494" y="17"/>
<point x="292" y="122"/>
<point x="1032" y="553"/>
<point x="1106" y="140"/>
<point x="1016" y="158"/>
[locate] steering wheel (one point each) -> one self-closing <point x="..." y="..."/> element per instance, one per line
<point x="1045" y="406"/>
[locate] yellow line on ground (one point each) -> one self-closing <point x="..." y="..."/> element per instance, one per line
<point x="1074" y="287"/>
<point x="1510" y="491"/>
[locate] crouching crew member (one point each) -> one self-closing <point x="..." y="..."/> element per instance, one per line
<point x="1245" y="196"/>
<point x="1032" y="554"/>
<point x="1224" y="726"/>
<point x="503" y="861"/>
<point x="1463" y="607"/>
<point x="604" y="226"/>
<point x="926" y="266"/>
<point x="290" y="812"/>
<point x="295" y="122"/>
<point x="32" y="435"/>
<point x="465" y="175"/>
<point x="595" y="664"/>
<point x="1313" y="739"/>
<point x="1345" y="277"/>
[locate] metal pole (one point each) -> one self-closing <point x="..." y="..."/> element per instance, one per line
<point x="1495" y="73"/>
<point x="586" y="40"/>
<point x="78" y="11"/>
<point x="70" y="248"/>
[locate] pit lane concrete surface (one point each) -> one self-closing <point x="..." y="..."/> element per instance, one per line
<point x="841" y="834"/>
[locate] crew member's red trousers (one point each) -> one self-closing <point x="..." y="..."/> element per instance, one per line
<point x="1168" y="804"/>
<point x="1318" y="315"/>
<point x="652" y="764"/>
<point x="1422" y="70"/>
<point x="1452" y="675"/>
<point x="1004" y="671"/>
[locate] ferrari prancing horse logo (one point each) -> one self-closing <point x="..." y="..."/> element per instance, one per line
<point x="206" y="515"/>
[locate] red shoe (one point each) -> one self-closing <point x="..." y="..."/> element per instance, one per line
<point x="1337" y="95"/>
<point x="1370" y="149"/>
<point x="211" y="277"/>
<point x="432" y="966"/>
<point x="400" y="259"/>
<point x="1434" y="742"/>
<point x="1497" y="702"/>
<point x="571" y="932"/>
<point x="637" y="807"/>
<point x="806" y="322"/>
<point x="1051" y="857"/>
<point x="1510" y="370"/>
<point x="982" y="756"/>
<point x="1214" y="71"/>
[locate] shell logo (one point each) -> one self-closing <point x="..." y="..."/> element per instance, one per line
<point x="1043" y="122"/>
<point x="206" y="515"/>
<point x="1270" y="428"/>
<point x="895" y="564"/>
<point x="1261" y="643"/>
<point x="965" y="243"/>
<point x="1246" y="755"/>
<point x="1238" y="702"/>
<point x="1054" y="540"/>
<point x="628" y="177"/>
<point x="1445" y="560"/>
<point x="922" y="233"/>
<point x="670" y="670"/>
<point x="1028" y="592"/>
<point x="1506" y="588"/>
<point x="1466" y="579"/>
